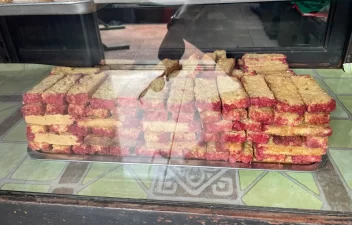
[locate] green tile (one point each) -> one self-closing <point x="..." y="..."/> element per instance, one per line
<point x="26" y="187"/>
<point x="306" y="179"/>
<point x="304" y="72"/>
<point x="7" y="109"/>
<point x="16" y="133"/>
<point x="339" y="112"/>
<point x="346" y="101"/>
<point x="342" y="159"/>
<point x="38" y="170"/>
<point x="342" y="134"/>
<point x="118" y="183"/>
<point x="11" y="155"/>
<point x="98" y="169"/>
<point x="144" y="173"/>
<point x="16" y="87"/>
<point x="339" y="86"/>
<point x="333" y="73"/>
<point x="275" y="190"/>
<point x="247" y="177"/>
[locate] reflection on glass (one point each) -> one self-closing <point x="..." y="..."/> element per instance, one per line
<point x="178" y="32"/>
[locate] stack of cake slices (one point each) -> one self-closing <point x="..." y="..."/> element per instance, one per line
<point x="203" y="113"/>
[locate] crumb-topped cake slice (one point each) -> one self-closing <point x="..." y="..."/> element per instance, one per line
<point x="225" y="65"/>
<point x="315" y="98"/>
<point x="56" y="95"/>
<point x="258" y="91"/>
<point x="35" y="94"/>
<point x="81" y="92"/>
<point x="300" y="130"/>
<point x="264" y="56"/>
<point x="286" y="94"/>
<point x="232" y="93"/>
<point x="206" y="95"/>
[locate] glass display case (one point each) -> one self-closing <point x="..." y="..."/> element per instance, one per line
<point x="159" y="112"/>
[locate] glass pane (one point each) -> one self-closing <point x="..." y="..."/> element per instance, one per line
<point x="152" y="33"/>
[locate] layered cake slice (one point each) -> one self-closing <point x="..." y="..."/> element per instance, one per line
<point x="315" y="98"/>
<point x="258" y="91"/>
<point x="300" y="130"/>
<point x="290" y="119"/>
<point x="235" y="114"/>
<point x="232" y="93"/>
<point x="56" y="95"/>
<point x="81" y="92"/>
<point x="286" y="94"/>
<point x="206" y="95"/>
<point x="316" y="118"/>
<point x="263" y="115"/>
<point x="35" y="94"/>
<point x="225" y="65"/>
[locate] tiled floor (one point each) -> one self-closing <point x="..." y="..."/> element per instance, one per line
<point x="328" y="189"/>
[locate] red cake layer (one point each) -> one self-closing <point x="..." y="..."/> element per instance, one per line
<point x="233" y="136"/>
<point x="316" y="142"/>
<point x="104" y="132"/>
<point x="247" y="124"/>
<point x="263" y="102"/>
<point x="97" y="103"/>
<point x="205" y="106"/>
<point x="59" y="129"/>
<point x="78" y="99"/>
<point x="258" y="137"/>
<point x="155" y="115"/>
<point x="77" y="111"/>
<point x="82" y="149"/>
<point x="100" y="150"/>
<point x="29" y="134"/>
<point x="329" y="107"/>
<point x="235" y="114"/>
<point x="306" y="159"/>
<point x="183" y="117"/>
<point x="210" y="116"/>
<point x="210" y="137"/>
<point x="262" y="115"/>
<point x="291" y="119"/>
<point x="79" y="130"/>
<point x="39" y="146"/>
<point x="288" y="141"/>
<point x="34" y="109"/>
<point x="101" y="113"/>
<point x="317" y="118"/>
<point x="54" y="98"/>
<point x="284" y="107"/>
<point x="29" y="98"/>
<point x="56" y="109"/>
<point x="221" y="126"/>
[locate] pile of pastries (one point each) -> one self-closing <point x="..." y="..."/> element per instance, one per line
<point x="207" y="107"/>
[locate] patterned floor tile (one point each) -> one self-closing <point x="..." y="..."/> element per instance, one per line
<point x="198" y="184"/>
<point x="7" y="109"/>
<point x="37" y="170"/>
<point x="339" y="86"/>
<point x="342" y="159"/>
<point x="342" y="134"/>
<point x="17" y="132"/>
<point x="247" y="177"/>
<point x="26" y="187"/>
<point x="97" y="169"/>
<point x="144" y="173"/>
<point x="119" y="183"/>
<point x="333" y="73"/>
<point x="306" y="179"/>
<point x="11" y="155"/>
<point x="275" y="190"/>
<point x="339" y="112"/>
<point x="347" y="102"/>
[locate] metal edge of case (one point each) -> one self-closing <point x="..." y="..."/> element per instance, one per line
<point x="48" y="8"/>
<point x="179" y="162"/>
